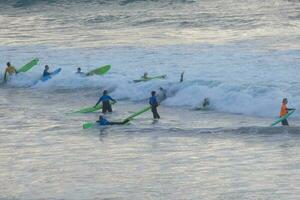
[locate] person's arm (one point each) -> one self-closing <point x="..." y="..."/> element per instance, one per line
<point x="98" y="102"/>
<point x="112" y="99"/>
<point x="290" y="109"/>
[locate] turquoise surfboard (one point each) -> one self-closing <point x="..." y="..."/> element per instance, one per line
<point x="283" y="118"/>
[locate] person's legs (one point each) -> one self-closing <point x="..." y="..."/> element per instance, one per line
<point x="119" y="123"/>
<point x="109" y="108"/>
<point x="285" y="122"/>
<point x="155" y="113"/>
<point x="105" y="107"/>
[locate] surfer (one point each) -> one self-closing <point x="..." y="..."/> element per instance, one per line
<point x="10" y="70"/>
<point x="181" y="77"/>
<point x="154" y="104"/>
<point x="46" y="71"/>
<point x="205" y="102"/>
<point x="105" y="99"/>
<point x="104" y="122"/>
<point x="79" y="72"/>
<point x="284" y="110"/>
<point x="162" y="95"/>
<point x="145" y="76"/>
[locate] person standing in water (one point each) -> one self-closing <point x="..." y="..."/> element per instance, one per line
<point x="154" y="104"/>
<point x="105" y="99"/>
<point x="181" y="77"/>
<point x="284" y="110"/>
<point x="10" y="70"/>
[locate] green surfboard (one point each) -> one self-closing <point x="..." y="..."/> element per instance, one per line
<point x="28" y="66"/>
<point x="138" y="113"/>
<point x="150" y="78"/>
<point x="90" y="109"/>
<point x="99" y="71"/>
<point x="283" y="118"/>
<point x="88" y="125"/>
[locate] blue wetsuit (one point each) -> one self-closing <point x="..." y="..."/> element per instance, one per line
<point x="103" y="122"/>
<point x="105" y="103"/>
<point x="46" y="73"/>
<point x="153" y="102"/>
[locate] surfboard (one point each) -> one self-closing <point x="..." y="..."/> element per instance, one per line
<point x="54" y="73"/>
<point x="28" y="66"/>
<point x="90" y="109"/>
<point x="88" y="125"/>
<point x="150" y="78"/>
<point x="283" y="118"/>
<point x="138" y="113"/>
<point x="99" y="71"/>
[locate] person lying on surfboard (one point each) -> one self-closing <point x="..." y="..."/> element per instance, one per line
<point x="154" y="104"/>
<point x="284" y="110"/>
<point x="46" y="71"/>
<point x="104" y="122"/>
<point x="105" y="99"/>
<point x="10" y="70"/>
<point x="79" y="72"/>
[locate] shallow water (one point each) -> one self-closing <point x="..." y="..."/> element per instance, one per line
<point x="242" y="55"/>
<point x="46" y="154"/>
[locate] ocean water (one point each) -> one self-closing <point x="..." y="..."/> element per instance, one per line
<point x="242" y="55"/>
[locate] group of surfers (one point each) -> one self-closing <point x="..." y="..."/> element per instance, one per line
<point x="154" y="103"/>
<point x="11" y="70"/>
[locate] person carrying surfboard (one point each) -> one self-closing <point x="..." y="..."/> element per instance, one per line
<point x="284" y="111"/>
<point x="105" y="99"/>
<point x="154" y="104"/>
<point x="10" y="70"/>
<point x="104" y="122"/>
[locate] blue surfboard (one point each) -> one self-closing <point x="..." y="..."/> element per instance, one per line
<point x="54" y="73"/>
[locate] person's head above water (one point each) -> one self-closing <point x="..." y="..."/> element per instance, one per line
<point x="46" y="67"/>
<point x="153" y="93"/>
<point x="78" y="69"/>
<point x="104" y="92"/>
<point x="8" y="64"/>
<point x="145" y="74"/>
<point x="285" y="101"/>
<point x="100" y="117"/>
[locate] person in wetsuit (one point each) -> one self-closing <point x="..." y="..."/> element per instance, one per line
<point x="79" y="72"/>
<point x="162" y="95"/>
<point x="46" y="71"/>
<point x="284" y="110"/>
<point x="104" y="122"/>
<point x="145" y="76"/>
<point x="10" y="70"/>
<point x="181" y="77"/>
<point x="154" y="104"/>
<point x="105" y="99"/>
